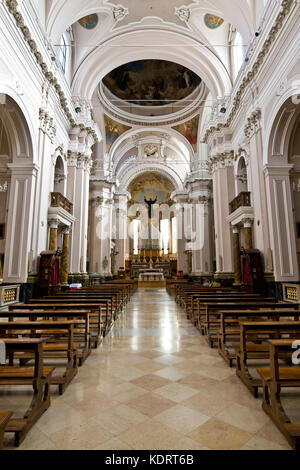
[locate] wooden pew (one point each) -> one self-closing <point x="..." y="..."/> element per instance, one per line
<point x="209" y="318"/>
<point x="230" y="328"/>
<point x="194" y="302"/>
<point x="37" y="376"/>
<point x="250" y="332"/>
<point x="61" y="348"/>
<point x="104" y="306"/>
<point x="4" y="419"/>
<point x="115" y="304"/>
<point x="95" y="311"/>
<point x="274" y="378"/>
<point x="81" y="318"/>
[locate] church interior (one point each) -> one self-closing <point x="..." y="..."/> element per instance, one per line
<point x="149" y="225"/>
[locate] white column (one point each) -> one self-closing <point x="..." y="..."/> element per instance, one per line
<point x="223" y="191"/>
<point x="203" y="245"/>
<point x="80" y="212"/>
<point x="121" y="231"/>
<point x="101" y="231"/>
<point x="19" y="223"/>
<point x="281" y="224"/>
<point x="261" y="234"/>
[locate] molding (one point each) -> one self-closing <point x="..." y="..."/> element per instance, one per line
<point x="49" y="76"/>
<point x="237" y="99"/>
<point x="241" y="215"/>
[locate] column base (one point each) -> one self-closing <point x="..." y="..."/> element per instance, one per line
<point x="223" y="275"/>
<point x="79" y="278"/>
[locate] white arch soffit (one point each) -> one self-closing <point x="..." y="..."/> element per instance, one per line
<point x="271" y="120"/>
<point x="185" y="50"/>
<point x="64" y="13"/>
<point x="238" y="13"/>
<point x="24" y="119"/>
<point x="137" y="133"/>
<point x="131" y="174"/>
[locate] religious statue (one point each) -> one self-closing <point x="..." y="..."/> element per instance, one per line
<point x="150" y="203"/>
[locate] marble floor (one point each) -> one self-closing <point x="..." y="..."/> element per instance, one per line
<point x="153" y="384"/>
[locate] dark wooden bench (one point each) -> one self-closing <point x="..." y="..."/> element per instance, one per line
<point x="4" y="419"/>
<point x="81" y="318"/>
<point x="193" y="308"/>
<point x="209" y="319"/>
<point x="254" y="338"/>
<point x="274" y="378"/>
<point x="58" y="343"/>
<point x="37" y="376"/>
<point x="98" y="317"/>
<point x="229" y="333"/>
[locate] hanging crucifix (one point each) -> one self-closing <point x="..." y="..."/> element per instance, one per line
<point x="150" y="203"/>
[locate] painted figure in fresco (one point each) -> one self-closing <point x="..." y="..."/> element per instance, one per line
<point x="150" y="202"/>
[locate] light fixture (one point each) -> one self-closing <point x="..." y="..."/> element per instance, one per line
<point x="223" y="110"/>
<point x="78" y="109"/>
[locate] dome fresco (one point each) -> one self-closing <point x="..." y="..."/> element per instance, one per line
<point x="213" y="21"/>
<point x="90" y="21"/>
<point x="151" y="82"/>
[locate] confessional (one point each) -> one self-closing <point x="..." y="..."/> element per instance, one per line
<point x="252" y="271"/>
<point x="48" y="278"/>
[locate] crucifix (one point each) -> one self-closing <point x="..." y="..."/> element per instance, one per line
<point x="150" y="203"/>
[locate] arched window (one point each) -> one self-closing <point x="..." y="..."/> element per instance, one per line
<point x="238" y="54"/>
<point x="63" y="52"/>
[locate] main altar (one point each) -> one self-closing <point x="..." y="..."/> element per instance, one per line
<point x="151" y="278"/>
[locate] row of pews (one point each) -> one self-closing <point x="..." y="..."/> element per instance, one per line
<point x="257" y="335"/>
<point x="46" y="340"/>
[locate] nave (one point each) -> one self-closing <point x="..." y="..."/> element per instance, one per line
<point x="154" y="383"/>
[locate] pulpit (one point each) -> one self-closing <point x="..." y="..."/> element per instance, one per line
<point x="48" y="280"/>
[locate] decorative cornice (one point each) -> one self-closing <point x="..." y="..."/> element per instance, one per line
<point x="12" y="8"/>
<point x="286" y="7"/>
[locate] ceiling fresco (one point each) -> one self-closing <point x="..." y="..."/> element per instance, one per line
<point x="189" y="130"/>
<point x="113" y="130"/>
<point x="151" y="82"/>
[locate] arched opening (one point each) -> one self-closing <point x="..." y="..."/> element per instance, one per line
<point x="17" y="186"/>
<point x="241" y="177"/>
<point x="149" y="218"/>
<point x="59" y="177"/>
<point x="5" y="157"/>
<point x="282" y="180"/>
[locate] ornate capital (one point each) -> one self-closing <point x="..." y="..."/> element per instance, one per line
<point x="46" y="124"/>
<point x="222" y="160"/>
<point x="253" y="124"/>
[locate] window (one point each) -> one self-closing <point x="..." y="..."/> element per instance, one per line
<point x="238" y="53"/>
<point x="174" y="235"/>
<point x="136" y="227"/>
<point x="165" y="235"/>
<point x="63" y="53"/>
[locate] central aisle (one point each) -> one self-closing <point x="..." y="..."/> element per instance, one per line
<point x="155" y="384"/>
